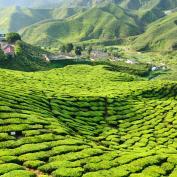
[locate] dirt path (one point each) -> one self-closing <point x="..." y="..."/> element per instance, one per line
<point x="38" y="173"/>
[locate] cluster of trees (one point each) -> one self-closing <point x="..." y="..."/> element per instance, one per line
<point x="2" y="56"/>
<point x="13" y="37"/>
<point x="113" y="51"/>
<point x="68" y="48"/>
<point x="10" y="38"/>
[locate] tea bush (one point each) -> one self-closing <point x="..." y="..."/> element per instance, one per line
<point x="86" y="121"/>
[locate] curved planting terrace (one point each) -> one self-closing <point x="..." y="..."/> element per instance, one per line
<point x="129" y="130"/>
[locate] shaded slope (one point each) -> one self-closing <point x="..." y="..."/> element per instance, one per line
<point x="160" y="35"/>
<point x="16" y="18"/>
<point x="101" y="22"/>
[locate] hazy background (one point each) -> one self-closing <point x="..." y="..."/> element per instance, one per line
<point x="30" y="3"/>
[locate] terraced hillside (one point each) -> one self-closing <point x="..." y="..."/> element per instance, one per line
<point x="53" y="124"/>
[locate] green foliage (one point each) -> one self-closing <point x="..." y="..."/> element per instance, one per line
<point x="63" y="49"/>
<point x="13" y="37"/>
<point x="69" y="47"/>
<point x="78" y="50"/>
<point x="68" y="172"/>
<point x="159" y="35"/>
<point x="86" y="121"/>
<point x="27" y="58"/>
<point x="85" y="26"/>
<point x="28" y="16"/>
<point x="2" y="56"/>
<point x="19" y="173"/>
<point x="5" y="168"/>
<point x="89" y="50"/>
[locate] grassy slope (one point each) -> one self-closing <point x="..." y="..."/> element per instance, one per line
<point x="27" y="58"/>
<point x="89" y="25"/>
<point x="83" y="121"/>
<point x="17" y="18"/>
<point x="159" y="35"/>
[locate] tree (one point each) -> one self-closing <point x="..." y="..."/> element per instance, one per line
<point x="13" y="37"/>
<point x="2" y="55"/>
<point x="89" y="50"/>
<point x="83" y="47"/>
<point x="63" y="49"/>
<point x="19" y="48"/>
<point x="78" y="50"/>
<point x="175" y="22"/>
<point x="69" y="47"/>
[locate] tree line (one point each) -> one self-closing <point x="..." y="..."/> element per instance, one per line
<point x="68" y="48"/>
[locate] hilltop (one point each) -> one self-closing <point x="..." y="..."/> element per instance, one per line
<point x="101" y="22"/>
<point x="28" y="16"/>
<point x="30" y="3"/>
<point x="80" y="21"/>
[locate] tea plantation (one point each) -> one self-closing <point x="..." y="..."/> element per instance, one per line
<point x="86" y="121"/>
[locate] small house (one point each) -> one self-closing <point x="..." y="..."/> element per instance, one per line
<point x="9" y="50"/>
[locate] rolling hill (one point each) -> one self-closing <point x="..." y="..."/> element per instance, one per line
<point x="16" y="18"/>
<point x="30" y="3"/>
<point x="160" y="35"/>
<point x="68" y="123"/>
<point x="101" y="22"/>
<point x="128" y="4"/>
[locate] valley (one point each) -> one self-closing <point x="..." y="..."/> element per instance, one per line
<point x="88" y="88"/>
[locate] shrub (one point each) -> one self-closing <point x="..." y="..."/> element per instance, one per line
<point x="12" y="37"/>
<point x="68" y="172"/>
<point x="19" y="173"/>
<point x="5" y="168"/>
<point x="34" y="164"/>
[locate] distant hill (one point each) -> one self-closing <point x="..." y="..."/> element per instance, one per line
<point x="30" y="3"/>
<point x="16" y="18"/>
<point x="101" y="22"/>
<point x="81" y="20"/>
<point x="160" y="35"/>
<point x="128" y="4"/>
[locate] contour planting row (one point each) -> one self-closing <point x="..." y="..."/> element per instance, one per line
<point x="59" y="136"/>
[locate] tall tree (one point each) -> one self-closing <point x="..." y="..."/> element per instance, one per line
<point x="69" y="47"/>
<point x="13" y="37"/>
<point x="78" y="50"/>
<point x="63" y="49"/>
<point x="2" y="56"/>
<point x="89" y="50"/>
